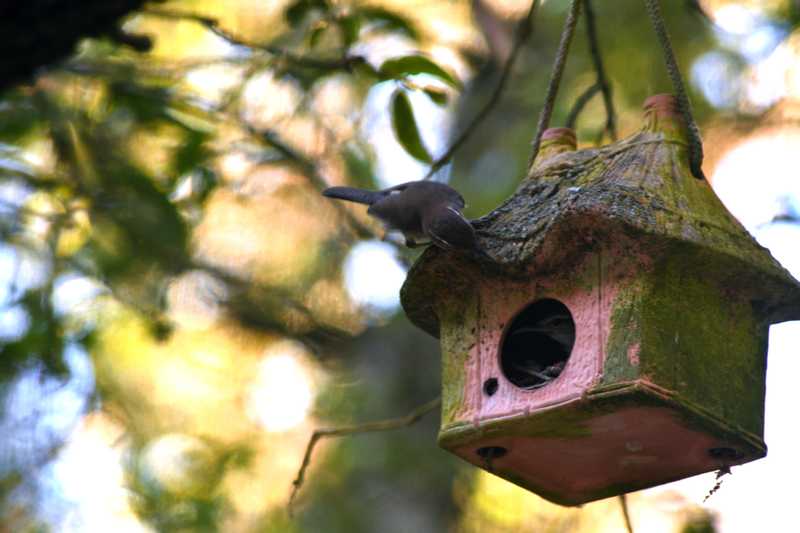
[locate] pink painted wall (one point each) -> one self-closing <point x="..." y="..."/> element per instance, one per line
<point x="590" y="302"/>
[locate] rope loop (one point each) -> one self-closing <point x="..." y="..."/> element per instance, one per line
<point x="684" y="106"/>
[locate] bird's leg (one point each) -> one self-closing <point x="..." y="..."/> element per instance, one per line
<point x="412" y="242"/>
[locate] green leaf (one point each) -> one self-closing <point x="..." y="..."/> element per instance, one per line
<point x="298" y="10"/>
<point x="365" y="70"/>
<point x="351" y="26"/>
<point x="316" y="35"/>
<point x="400" y="67"/>
<point x="437" y="95"/>
<point x="405" y="127"/>
<point x="192" y="153"/>
<point x="146" y="103"/>
<point x="389" y="20"/>
<point x="359" y="167"/>
<point x="18" y="117"/>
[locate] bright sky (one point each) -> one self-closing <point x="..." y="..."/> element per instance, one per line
<point x="760" y="496"/>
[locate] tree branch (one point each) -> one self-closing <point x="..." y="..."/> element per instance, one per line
<point x="580" y="103"/>
<point x="600" y="86"/>
<point x="523" y="31"/>
<point x="602" y="79"/>
<point x="368" y="427"/>
<point x="346" y="62"/>
<point x="309" y="169"/>
<point x="221" y="113"/>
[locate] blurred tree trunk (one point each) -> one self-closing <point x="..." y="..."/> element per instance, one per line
<point x="38" y="33"/>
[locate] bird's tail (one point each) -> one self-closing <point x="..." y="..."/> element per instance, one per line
<point x="351" y="194"/>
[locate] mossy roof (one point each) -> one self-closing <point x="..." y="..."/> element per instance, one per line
<point x="638" y="190"/>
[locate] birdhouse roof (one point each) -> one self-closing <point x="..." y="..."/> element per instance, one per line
<point x="638" y="191"/>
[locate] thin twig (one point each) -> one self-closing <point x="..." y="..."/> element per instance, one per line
<point x="723" y="471"/>
<point x="602" y="79"/>
<point x="522" y="33"/>
<point x="579" y="104"/>
<point x="309" y="169"/>
<point x="346" y="62"/>
<point x="368" y="427"/>
<point x="623" y="502"/>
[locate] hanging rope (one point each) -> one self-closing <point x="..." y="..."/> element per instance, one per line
<point x="555" y="77"/>
<point x="684" y="106"/>
<point x="522" y="33"/>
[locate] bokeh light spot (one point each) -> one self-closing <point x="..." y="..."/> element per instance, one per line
<point x="373" y="276"/>
<point x="770" y="159"/>
<point x="180" y="464"/>
<point x="73" y="292"/>
<point x="282" y="393"/>
<point x="14" y="322"/>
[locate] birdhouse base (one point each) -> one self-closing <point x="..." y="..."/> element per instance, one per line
<point x="611" y="441"/>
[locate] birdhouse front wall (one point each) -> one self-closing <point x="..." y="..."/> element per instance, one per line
<point x="473" y="330"/>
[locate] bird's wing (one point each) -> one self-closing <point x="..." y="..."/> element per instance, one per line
<point x="397" y="188"/>
<point x="458" y="200"/>
<point x="443" y="190"/>
<point x="448" y="229"/>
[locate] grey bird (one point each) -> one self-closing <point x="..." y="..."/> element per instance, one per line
<point x="537" y="369"/>
<point x="424" y="211"/>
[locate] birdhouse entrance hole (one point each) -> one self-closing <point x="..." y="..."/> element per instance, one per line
<point x="537" y="344"/>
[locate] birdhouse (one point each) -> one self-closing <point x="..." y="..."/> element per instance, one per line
<point x="618" y="338"/>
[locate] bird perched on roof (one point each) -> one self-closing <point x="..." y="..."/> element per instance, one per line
<point x="424" y="211"/>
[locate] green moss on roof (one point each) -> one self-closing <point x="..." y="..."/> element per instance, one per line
<point x="640" y="190"/>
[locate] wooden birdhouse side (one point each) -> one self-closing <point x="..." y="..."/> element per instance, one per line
<point x="618" y="339"/>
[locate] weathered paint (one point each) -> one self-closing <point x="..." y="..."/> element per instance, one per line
<point x="590" y="301"/>
<point x="619" y="441"/>
<point x="633" y="353"/>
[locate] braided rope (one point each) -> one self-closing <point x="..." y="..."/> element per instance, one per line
<point x="555" y="77"/>
<point x="684" y="106"/>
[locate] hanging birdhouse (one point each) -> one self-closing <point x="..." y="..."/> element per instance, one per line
<point x="618" y="338"/>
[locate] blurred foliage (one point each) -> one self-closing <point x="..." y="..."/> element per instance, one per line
<point x="163" y="240"/>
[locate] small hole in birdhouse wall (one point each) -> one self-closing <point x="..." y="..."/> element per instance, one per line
<point x="490" y="386"/>
<point x="537" y="345"/>
<point x="491" y="452"/>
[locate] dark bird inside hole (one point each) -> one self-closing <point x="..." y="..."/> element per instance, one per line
<point x="558" y="327"/>
<point x="536" y="353"/>
<point x="426" y="212"/>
